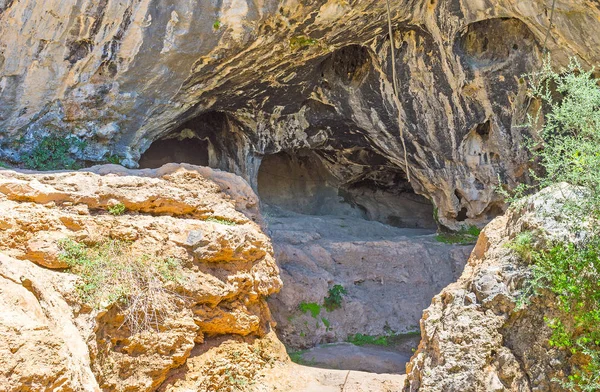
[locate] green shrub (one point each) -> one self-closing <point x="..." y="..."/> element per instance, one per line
<point x="570" y="134"/>
<point x="217" y="24"/>
<point x="567" y="151"/>
<point x="333" y="300"/>
<point x="53" y="153"/>
<point x="117" y="209"/>
<point x="572" y="274"/>
<point x="111" y="274"/>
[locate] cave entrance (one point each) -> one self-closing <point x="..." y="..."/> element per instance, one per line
<point x="198" y="141"/>
<point x="303" y="182"/>
<point x="175" y="150"/>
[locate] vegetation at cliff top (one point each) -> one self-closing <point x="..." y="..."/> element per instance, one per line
<point x="566" y="150"/>
<point x="110" y="274"/>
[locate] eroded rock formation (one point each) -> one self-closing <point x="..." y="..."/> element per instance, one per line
<point x="475" y="337"/>
<point x="53" y="339"/>
<point x="250" y="79"/>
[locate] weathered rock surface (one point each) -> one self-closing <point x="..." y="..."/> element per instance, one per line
<point x="474" y="336"/>
<point x="284" y="378"/>
<point x="53" y="340"/>
<point x="390" y="275"/>
<point x="249" y="79"/>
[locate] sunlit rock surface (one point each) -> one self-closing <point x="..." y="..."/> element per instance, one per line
<point x="249" y="79"/>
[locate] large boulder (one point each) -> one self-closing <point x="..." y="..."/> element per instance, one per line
<point x="475" y="336"/>
<point x="55" y="339"/>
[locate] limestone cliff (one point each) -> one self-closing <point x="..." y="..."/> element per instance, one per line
<point x="252" y="78"/>
<point x="53" y="338"/>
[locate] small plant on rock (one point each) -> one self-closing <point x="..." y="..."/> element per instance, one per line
<point x="302" y="41"/>
<point x="312" y="307"/>
<point x="117" y="209"/>
<point x="110" y="274"/>
<point x="334" y="298"/>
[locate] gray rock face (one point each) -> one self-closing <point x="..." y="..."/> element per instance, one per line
<point x="390" y="275"/>
<point x="248" y="79"/>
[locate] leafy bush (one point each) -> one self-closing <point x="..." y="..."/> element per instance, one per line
<point x="572" y="275"/>
<point x="333" y="300"/>
<point x="567" y="151"/>
<point x="570" y="134"/>
<point x="53" y="153"/>
<point x="111" y="274"/>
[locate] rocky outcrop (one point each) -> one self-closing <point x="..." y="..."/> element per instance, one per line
<point x="55" y="339"/>
<point x="249" y="79"/>
<point x="475" y="337"/>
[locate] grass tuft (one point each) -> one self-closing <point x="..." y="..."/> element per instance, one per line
<point x="221" y="221"/>
<point x="111" y="274"/>
<point x="117" y="209"/>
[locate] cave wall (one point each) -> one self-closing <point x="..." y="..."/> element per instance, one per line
<point x="289" y="75"/>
